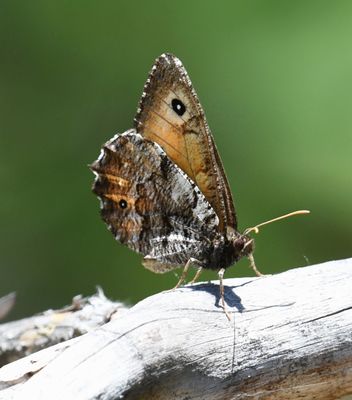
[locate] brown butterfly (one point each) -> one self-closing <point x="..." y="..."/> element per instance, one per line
<point x="162" y="186"/>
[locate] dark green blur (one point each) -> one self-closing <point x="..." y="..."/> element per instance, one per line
<point x="274" y="78"/>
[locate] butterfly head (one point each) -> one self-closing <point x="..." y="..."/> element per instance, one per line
<point x="242" y="244"/>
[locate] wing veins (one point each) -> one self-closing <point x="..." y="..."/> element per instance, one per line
<point x="184" y="138"/>
<point x="174" y="148"/>
<point x="164" y="119"/>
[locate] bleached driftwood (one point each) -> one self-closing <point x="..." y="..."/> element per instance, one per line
<point x="290" y="338"/>
<point x="28" y="335"/>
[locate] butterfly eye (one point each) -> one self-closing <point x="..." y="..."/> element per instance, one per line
<point x="178" y="107"/>
<point x="123" y="203"/>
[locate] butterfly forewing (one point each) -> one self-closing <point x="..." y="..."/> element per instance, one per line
<point x="170" y="114"/>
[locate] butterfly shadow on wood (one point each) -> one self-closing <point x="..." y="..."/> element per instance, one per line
<point x="231" y="299"/>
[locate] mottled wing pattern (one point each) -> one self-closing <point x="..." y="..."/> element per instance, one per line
<point x="184" y="134"/>
<point x="149" y="204"/>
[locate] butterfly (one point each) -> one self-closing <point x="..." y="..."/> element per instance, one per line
<point x="162" y="186"/>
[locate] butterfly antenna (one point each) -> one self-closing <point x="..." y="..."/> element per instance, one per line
<point x="291" y="214"/>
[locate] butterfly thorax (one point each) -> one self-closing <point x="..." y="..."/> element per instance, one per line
<point x="227" y="250"/>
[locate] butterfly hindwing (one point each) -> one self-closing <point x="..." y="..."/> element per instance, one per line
<point x="170" y="114"/>
<point x="149" y="204"/>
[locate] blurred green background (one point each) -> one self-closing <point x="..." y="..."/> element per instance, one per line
<point x="274" y="78"/>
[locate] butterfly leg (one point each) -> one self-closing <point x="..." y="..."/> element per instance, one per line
<point x="185" y="270"/>
<point x="196" y="276"/>
<point x="222" y="296"/>
<point x="253" y="266"/>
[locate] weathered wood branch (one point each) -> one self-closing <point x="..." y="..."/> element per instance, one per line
<point x="28" y="335"/>
<point x="290" y="338"/>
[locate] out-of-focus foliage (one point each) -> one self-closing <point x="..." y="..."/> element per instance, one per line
<point x="274" y="77"/>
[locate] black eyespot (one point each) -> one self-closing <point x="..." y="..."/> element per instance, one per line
<point x="123" y="203"/>
<point x="178" y="107"/>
